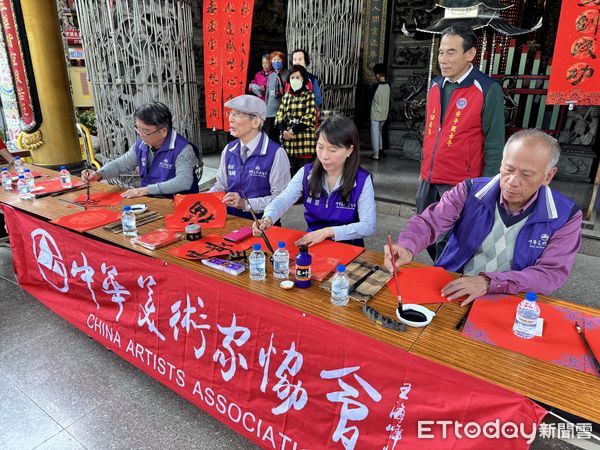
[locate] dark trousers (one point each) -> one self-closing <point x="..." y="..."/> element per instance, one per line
<point x="271" y="130"/>
<point x="297" y="163"/>
<point x="428" y="194"/>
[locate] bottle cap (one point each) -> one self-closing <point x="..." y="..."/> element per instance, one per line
<point x="341" y="268"/>
<point x="531" y="296"/>
<point x="63" y="167"/>
<point x="17" y="157"/>
<point x="126" y="208"/>
<point x="256" y="247"/>
<point x="21" y="176"/>
<point x="4" y="169"/>
<point x="281" y="244"/>
<point x="27" y="170"/>
<point x="303" y="249"/>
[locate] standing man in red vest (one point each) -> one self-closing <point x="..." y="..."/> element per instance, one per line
<point x="464" y="125"/>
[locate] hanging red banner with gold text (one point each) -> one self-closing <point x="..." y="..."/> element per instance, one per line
<point x="227" y="26"/>
<point x="22" y="73"/>
<point x="575" y="73"/>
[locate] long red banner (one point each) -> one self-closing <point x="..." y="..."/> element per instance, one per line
<point x="227" y="26"/>
<point x="575" y="73"/>
<point x="17" y="61"/>
<point x="277" y="375"/>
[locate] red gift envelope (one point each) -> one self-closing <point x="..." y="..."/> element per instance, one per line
<point x="52" y="185"/>
<point x="100" y="199"/>
<point x="88" y="219"/>
<point x="206" y="210"/>
<point x="421" y="285"/>
<point x="207" y="247"/>
<point x="492" y="317"/>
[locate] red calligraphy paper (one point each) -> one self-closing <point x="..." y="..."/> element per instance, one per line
<point x="491" y="320"/>
<point x="252" y="361"/>
<point x="52" y="185"/>
<point x="89" y="219"/>
<point x="206" y="210"/>
<point x="575" y="75"/>
<point x="206" y="247"/>
<point x="421" y="285"/>
<point x="157" y="239"/>
<point x="100" y="199"/>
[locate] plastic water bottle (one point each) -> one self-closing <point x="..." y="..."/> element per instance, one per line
<point x="528" y="313"/>
<point x="19" y="165"/>
<point x="128" y="222"/>
<point x="6" y="179"/>
<point x="339" y="287"/>
<point x="257" y="262"/>
<point x="281" y="261"/>
<point x="303" y="268"/>
<point x="23" y="188"/>
<point x="65" y="178"/>
<point x="30" y="179"/>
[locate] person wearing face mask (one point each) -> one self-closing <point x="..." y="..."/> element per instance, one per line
<point x="275" y="92"/>
<point x="166" y="160"/>
<point x="258" y="85"/>
<point x="302" y="58"/>
<point x="338" y="194"/>
<point x="296" y="119"/>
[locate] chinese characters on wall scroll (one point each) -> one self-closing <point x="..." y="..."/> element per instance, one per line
<point x="227" y="26"/>
<point x="374" y="23"/>
<point x="17" y="60"/>
<point x="575" y="73"/>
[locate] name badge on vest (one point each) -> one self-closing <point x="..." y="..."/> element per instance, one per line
<point x="313" y="201"/>
<point x="164" y="164"/>
<point x="231" y="170"/>
<point x="461" y="103"/>
<point x="342" y="205"/>
<point x="539" y="243"/>
<point x="257" y="172"/>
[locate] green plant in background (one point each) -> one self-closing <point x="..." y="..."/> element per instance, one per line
<point x="88" y="119"/>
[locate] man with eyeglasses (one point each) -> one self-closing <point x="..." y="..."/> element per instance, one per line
<point x="167" y="161"/>
<point x="252" y="164"/>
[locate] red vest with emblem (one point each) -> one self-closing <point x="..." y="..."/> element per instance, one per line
<point x="453" y="150"/>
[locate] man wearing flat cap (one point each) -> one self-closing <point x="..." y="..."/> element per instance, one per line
<point x="253" y="163"/>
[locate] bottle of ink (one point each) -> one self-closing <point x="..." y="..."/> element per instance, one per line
<point x="303" y="263"/>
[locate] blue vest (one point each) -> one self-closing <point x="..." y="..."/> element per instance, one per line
<point x="163" y="163"/>
<point x="330" y="211"/>
<point x="251" y="177"/>
<point x="551" y="211"/>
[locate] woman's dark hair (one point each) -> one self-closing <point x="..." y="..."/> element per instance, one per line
<point x="340" y="132"/>
<point x="266" y="56"/>
<point x="468" y="35"/>
<point x="155" y="113"/>
<point x="303" y="72"/>
<point x="305" y="53"/>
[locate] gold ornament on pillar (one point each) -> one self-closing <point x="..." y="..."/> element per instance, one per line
<point x="30" y="141"/>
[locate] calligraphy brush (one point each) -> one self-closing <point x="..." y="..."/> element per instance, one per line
<point x="406" y="314"/>
<point x="264" y="236"/>
<point x="461" y="323"/>
<point x="399" y="298"/>
<point x="589" y="349"/>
